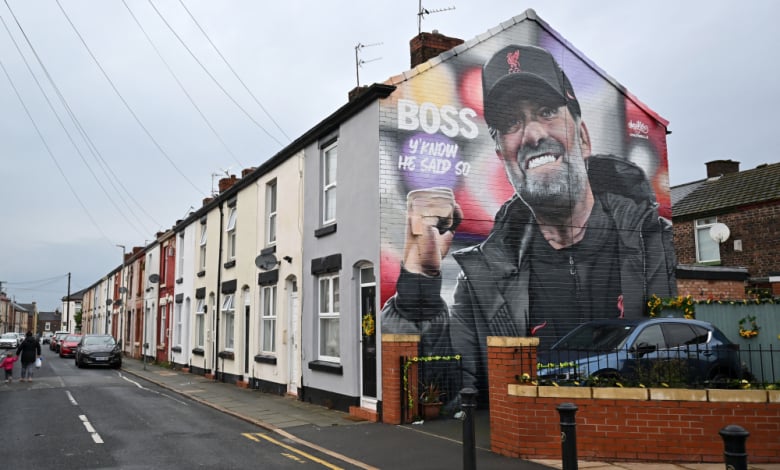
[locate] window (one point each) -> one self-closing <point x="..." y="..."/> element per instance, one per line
<point x="329" y="318"/>
<point x="200" y="323"/>
<point x="707" y="249"/>
<point x="268" y="328"/>
<point x="231" y="233"/>
<point x="270" y="202"/>
<point x="329" y="167"/>
<point x="203" y="239"/>
<point x="180" y="267"/>
<point x="177" y="325"/>
<point x="229" y="319"/>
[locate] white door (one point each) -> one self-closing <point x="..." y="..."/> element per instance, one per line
<point x="293" y="352"/>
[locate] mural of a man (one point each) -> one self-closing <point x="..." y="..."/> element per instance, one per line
<point x="581" y="239"/>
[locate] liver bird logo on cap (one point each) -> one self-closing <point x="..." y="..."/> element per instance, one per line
<point x="513" y="60"/>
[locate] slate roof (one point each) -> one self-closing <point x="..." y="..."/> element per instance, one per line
<point x="728" y="192"/>
<point x="49" y="316"/>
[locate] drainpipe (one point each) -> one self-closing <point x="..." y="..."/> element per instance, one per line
<point x="219" y="290"/>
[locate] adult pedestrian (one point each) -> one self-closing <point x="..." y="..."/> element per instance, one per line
<point x="29" y="350"/>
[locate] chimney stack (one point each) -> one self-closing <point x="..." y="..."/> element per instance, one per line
<point x="426" y="46"/>
<point x="226" y="183"/>
<point x="717" y="168"/>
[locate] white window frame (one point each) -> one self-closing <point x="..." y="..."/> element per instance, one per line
<point x="268" y="301"/>
<point x="328" y="325"/>
<point x="200" y="323"/>
<point x="329" y="183"/>
<point x="203" y="240"/>
<point x="229" y="320"/>
<point x="704" y="241"/>
<point x="177" y="325"/>
<point x="231" y="233"/>
<point x="271" y="202"/>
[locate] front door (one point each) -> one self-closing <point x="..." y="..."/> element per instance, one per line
<point x="368" y="337"/>
<point x="293" y="353"/>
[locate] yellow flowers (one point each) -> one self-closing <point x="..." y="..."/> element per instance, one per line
<point x="684" y="304"/>
<point x="753" y="329"/>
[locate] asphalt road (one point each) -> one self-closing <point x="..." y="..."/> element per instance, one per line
<point x="70" y="418"/>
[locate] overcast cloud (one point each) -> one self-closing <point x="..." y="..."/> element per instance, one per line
<point x="708" y="67"/>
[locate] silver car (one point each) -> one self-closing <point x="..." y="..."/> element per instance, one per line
<point x="9" y="341"/>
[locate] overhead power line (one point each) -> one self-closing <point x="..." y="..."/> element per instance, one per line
<point x="125" y="103"/>
<point x="181" y="86"/>
<point x="216" y="82"/>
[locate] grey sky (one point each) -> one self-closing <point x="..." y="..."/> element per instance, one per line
<point x="708" y="67"/>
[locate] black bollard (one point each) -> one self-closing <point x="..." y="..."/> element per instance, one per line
<point x="568" y="435"/>
<point x="734" y="453"/>
<point x="468" y="402"/>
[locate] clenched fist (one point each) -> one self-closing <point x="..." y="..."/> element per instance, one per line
<point x="432" y="215"/>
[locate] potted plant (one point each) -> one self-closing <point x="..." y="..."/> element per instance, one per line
<point x="431" y="400"/>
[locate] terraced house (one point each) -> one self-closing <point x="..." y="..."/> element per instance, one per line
<point x="417" y="214"/>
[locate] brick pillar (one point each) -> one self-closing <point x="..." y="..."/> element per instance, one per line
<point x="393" y="347"/>
<point x="508" y="358"/>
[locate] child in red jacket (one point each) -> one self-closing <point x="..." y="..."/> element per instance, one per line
<point x="8" y="366"/>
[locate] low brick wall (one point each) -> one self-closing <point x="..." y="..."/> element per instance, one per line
<point x="622" y="424"/>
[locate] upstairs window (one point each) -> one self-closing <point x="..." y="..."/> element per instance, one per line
<point x="203" y="239"/>
<point x="231" y="233"/>
<point x="270" y="202"/>
<point x="329" y="172"/>
<point x="707" y="249"/>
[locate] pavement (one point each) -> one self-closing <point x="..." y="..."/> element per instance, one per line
<point x="435" y="444"/>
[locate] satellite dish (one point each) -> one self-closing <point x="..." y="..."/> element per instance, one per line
<point x="266" y="262"/>
<point x="154" y="278"/>
<point x="719" y="232"/>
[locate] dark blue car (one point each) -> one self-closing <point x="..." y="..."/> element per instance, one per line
<point x="648" y="351"/>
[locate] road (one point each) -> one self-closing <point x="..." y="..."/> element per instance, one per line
<point x="70" y="418"/>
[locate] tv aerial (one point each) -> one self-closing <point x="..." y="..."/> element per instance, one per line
<point x="358" y="62"/>
<point x="421" y="11"/>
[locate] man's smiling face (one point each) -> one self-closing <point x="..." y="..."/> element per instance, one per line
<point x="543" y="148"/>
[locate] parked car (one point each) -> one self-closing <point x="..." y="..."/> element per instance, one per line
<point x="67" y="347"/>
<point x="645" y="350"/>
<point x="54" y="344"/>
<point x="98" y="350"/>
<point x="46" y="337"/>
<point x="9" y="340"/>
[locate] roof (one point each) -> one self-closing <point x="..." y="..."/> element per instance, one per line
<point x="728" y="192"/>
<point x="49" y="316"/>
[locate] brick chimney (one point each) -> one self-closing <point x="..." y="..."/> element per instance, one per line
<point x="226" y="183"/>
<point x="246" y="171"/>
<point x="718" y="168"/>
<point x="425" y="46"/>
<point x="357" y="91"/>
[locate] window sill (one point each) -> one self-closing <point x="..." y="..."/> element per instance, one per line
<point x="198" y="352"/>
<point x="229" y="264"/>
<point x="180" y="280"/>
<point x="265" y="359"/>
<point x="226" y="355"/>
<point x="176" y="349"/>
<point x="201" y="273"/>
<point x="327" y="367"/>
<point x="326" y="230"/>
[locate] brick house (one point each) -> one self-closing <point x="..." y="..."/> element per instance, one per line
<point x="728" y="262"/>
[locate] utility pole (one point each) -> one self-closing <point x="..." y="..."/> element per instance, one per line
<point x="67" y="308"/>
